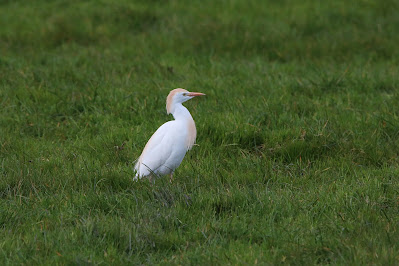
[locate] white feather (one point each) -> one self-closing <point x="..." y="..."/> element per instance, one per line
<point x="164" y="151"/>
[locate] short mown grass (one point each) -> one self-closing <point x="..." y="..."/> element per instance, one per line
<point x="297" y="155"/>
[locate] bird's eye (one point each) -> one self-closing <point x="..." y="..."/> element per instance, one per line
<point x="184" y="93"/>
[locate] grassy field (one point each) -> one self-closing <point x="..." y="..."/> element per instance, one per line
<point x="298" y="137"/>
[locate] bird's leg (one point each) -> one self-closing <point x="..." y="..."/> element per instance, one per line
<point x="151" y="179"/>
<point x="171" y="177"/>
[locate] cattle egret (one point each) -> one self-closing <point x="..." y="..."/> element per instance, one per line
<point x="167" y="147"/>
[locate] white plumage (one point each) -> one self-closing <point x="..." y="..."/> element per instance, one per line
<point x="167" y="147"/>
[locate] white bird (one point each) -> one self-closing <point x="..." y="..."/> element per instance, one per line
<point x="167" y="147"/>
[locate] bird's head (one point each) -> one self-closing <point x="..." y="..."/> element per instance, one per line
<point x="179" y="96"/>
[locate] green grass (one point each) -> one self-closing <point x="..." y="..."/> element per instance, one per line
<point x="297" y="157"/>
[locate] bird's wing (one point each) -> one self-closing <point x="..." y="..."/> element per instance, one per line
<point x="155" y="152"/>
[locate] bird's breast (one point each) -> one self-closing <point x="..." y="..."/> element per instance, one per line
<point x="191" y="134"/>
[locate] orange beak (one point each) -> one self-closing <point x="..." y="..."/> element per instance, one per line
<point x="193" y="94"/>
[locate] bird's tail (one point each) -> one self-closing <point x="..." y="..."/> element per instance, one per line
<point x="136" y="169"/>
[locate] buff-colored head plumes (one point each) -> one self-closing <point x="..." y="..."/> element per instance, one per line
<point x="169" y="99"/>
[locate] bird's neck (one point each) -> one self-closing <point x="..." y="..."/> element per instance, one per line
<point x="181" y="113"/>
